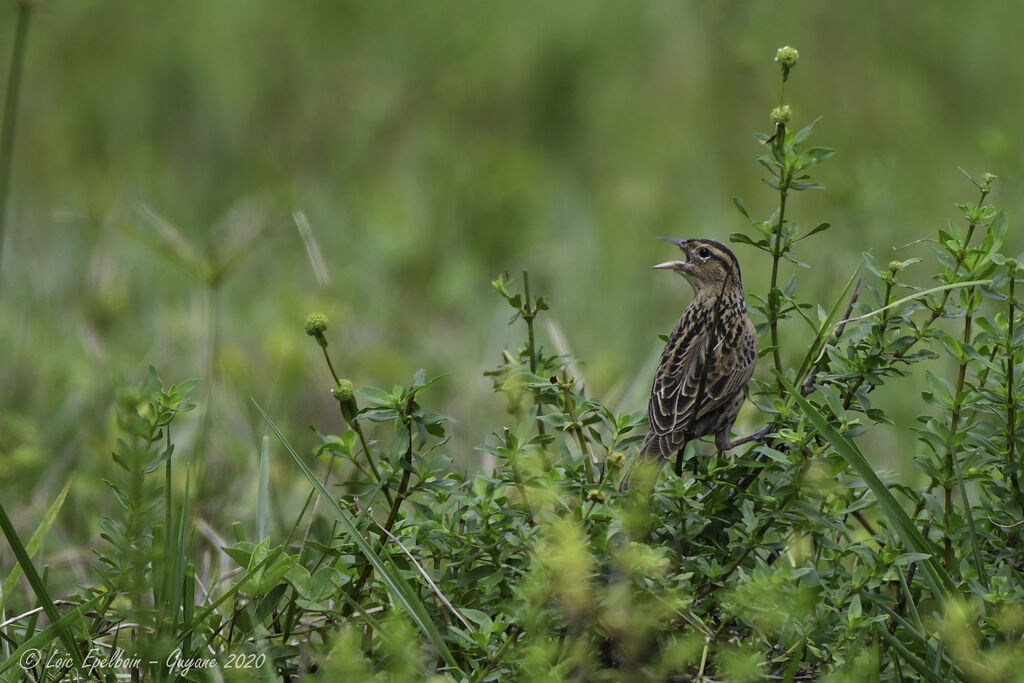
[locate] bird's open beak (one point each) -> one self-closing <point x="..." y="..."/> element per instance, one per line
<point x="675" y="265"/>
<point x="671" y="265"/>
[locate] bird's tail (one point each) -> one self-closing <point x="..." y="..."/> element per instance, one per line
<point x="650" y="459"/>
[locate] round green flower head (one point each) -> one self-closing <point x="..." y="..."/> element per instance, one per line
<point x="316" y="324"/>
<point x="343" y="390"/>
<point x="595" y="496"/>
<point x="617" y="459"/>
<point x="895" y="266"/>
<point x="781" y="114"/>
<point x="787" y="56"/>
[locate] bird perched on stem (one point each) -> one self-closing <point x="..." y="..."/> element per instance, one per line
<point x="709" y="357"/>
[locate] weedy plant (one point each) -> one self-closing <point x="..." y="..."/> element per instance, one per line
<point x="793" y="560"/>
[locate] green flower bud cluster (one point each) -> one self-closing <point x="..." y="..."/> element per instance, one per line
<point x="787" y="57"/>
<point x="781" y="115"/>
<point x="315" y="326"/>
<point x="346" y="399"/>
<point x="890" y="275"/>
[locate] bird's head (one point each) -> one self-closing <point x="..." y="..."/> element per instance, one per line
<point x="707" y="264"/>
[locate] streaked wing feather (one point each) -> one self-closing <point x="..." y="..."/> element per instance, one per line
<point x="674" y="395"/>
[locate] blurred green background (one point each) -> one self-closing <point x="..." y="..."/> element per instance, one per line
<point x="431" y="146"/>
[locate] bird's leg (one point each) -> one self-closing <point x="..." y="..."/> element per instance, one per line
<point x="723" y="443"/>
<point x="679" y="460"/>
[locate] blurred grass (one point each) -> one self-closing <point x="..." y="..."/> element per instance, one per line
<point x="432" y="146"/>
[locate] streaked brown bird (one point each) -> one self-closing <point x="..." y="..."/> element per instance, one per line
<point x="707" y="362"/>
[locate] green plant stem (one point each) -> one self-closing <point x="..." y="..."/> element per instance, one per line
<point x="393" y="512"/>
<point x="784" y="181"/>
<point x="1011" y="396"/>
<point x="954" y="425"/>
<point x="7" y="126"/>
<point x="167" y="588"/>
<point x="357" y="428"/>
<point x="385" y="489"/>
<point x="327" y="357"/>
<point x="403" y="485"/>
<point x="529" y="313"/>
<point x="773" y="291"/>
<point x="949" y="466"/>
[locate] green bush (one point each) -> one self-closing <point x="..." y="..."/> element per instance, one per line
<point x="792" y="560"/>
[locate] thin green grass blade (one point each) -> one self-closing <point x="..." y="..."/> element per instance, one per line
<point x="397" y="586"/>
<point x="936" y="576"/>
<point x="35" y="542"/>
<point x="917" y="634"/>
<point x="263" y="495"/>
<point x="908" y="656"/>
<point x="971" y="527"/>
<point x="39" y="588"/>
<point x="181" y="543"/>
<point x="911" y="605"/>
<point x="188" y="604"/>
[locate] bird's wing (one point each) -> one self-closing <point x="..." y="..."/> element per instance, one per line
<point x="731" y="362"/>
<point x="678" y="381"/>
<point x="674" y="392"/>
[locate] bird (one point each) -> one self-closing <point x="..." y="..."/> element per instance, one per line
<point x="699" y="385"/>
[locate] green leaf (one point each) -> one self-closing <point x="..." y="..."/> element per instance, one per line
<point x="940" y="389"/>
<point x="740" y="238"/>
<point x="855" y="611"/>
<point x="815" y="155"/>
<point x="159" y="460"/>
<point x="376" y="396"/>
<point x="821" y="227"/>
<point x="742" y="209"/>
<point x="805" y="132"/>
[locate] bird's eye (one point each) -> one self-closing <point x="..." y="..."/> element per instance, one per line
<point x="703" y="252"/>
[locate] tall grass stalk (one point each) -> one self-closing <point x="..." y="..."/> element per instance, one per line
<point x="10" y="111"/>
